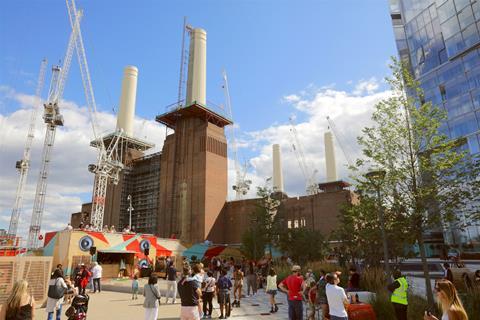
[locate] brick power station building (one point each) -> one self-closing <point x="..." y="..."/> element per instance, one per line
<point x="181" y="191"/>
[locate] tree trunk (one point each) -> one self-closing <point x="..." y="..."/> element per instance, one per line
<point x="426" y="273"/>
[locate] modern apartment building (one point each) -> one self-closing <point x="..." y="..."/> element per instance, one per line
<point x="441" y="40"/>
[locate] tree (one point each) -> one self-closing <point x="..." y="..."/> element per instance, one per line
<point x="262" y="230"/>
<point x="302" y="244"/>
<point x="359" y="232"/>
<point x="429" y="179"/>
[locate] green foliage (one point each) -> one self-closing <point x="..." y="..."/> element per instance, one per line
<point x="373" y="279"/>
<point x="261" y="232"/>
<point x="471" y="302"/>
<point x="428" y="178"/>
<point x="302" y="244"/>
<point x="384" y="309"/>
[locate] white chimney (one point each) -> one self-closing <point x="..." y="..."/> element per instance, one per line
<point x="277" y="169"/>
<point x="126" y="113"/>
<point x="197" y="68"/>
<point x="330" y="157"/>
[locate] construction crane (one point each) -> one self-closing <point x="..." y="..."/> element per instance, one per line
<point x="183" y="62"/>
<point x="52" y="118"/>
<point x="23" y="165"/>
<point x="308" y="173"/>
<point x="242" y="185"/>
<point x="339" y="138"/>
<point x="109" y="158"/>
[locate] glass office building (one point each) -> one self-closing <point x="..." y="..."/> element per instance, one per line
<point x="441" y="40"/>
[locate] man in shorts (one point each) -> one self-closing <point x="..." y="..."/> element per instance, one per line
<point x="237" y="286"/>
<point x="223" y="294"/>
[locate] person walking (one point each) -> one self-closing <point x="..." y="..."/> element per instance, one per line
<point x="208" y="290"/>
<point x="450" y="303"/>
<point x="135" y="287"/>
<point x="399" y="298"/>
<point x="353" y="280"/>
<point x="84" y="278"/>
<point x="171" y="282"/>
<point x="336" y="297"/>
<point x="271" y="289"/>
<point x="152" y="298"/>
<point x="20" y="305"/>
<point x="448" y="272"/>
<point x="190" y="294"/>
<point x="237" y="286"/>
<point x="294" y="285"/>
<point x="56" y="291"/>
<point x="97" y="276"/>
<point x="322" y="295"/>
<point x="251" y="279"/>
<point x="223" y="294"/>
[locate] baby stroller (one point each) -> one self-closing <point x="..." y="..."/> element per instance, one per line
<point x="79" y="307"/>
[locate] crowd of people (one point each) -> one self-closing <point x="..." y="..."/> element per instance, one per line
<point x="197" y="287"/>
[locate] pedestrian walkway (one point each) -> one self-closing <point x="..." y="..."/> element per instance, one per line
<point x="258" y="307"/>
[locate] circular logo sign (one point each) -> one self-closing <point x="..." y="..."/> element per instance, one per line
<point x="143" y="263"/>
<point x="85" y="243"/>
<point x="144" y="244"/>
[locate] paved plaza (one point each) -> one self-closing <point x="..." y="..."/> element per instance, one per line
<point x="120" y="306"/>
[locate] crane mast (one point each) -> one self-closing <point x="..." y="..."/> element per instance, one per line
<point x="52" y="118"/>
<point x="23" y="165"/>
<point x="309" y="175"/>
<point x="242" y="185"/>
<point x="109" y="158"/>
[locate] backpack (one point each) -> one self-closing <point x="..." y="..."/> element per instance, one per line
<point x="55" y="292"/>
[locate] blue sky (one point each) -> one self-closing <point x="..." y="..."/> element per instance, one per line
<point x="311" y="58"/>
<point x="269" y="48"/>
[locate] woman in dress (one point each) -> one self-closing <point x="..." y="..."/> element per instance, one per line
<point x="55" y="305"/>
<point x="449" y="301"/>
<point x="20" y="304"/>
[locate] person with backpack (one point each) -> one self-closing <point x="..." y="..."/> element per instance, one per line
<point x="237" y="286"/>
<point x="208" y="290"/>
<point x="321" y="298"/>
<point x="56" y="290"/>
<point x="152" y="298"/>
<point x="223" y="294"/>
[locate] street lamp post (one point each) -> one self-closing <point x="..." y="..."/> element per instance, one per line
<point x="376" y="177"/>
<point x="130" y="209"/>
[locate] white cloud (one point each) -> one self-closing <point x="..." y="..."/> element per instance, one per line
<point x="350" y="112"/>
<point x="69" y="178"/>
<point x="366" y="87"/>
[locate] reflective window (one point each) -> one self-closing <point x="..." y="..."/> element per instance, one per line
<point x="471" y="60"/>
<point x="476" y="98"/>
<point x="454" y="45"/>
<point x="466" y="17"/>
<point x="474" y="78"/>
<point x="433" y="12"/>
<point x="473" y="144"/>
<point x="460" y="4"/>
<point x="452" y="70"/>
<point x="446" y="10"/>
<point x="470" y="35"/>
<point x="433" y="96"/>
<point x="476" y="10"/>
<point x="450" y="27"/>
<point x="458" y="106"/>
<point x="463" y="126"/>
<point x="456" y="87"/>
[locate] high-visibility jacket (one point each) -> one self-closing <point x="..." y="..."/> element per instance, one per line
<point x="400" y="294"/>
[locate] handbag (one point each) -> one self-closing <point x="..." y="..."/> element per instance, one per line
<point x="55" y="292"/>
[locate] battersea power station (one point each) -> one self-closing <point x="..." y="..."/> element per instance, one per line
<point x="181" y="192"/>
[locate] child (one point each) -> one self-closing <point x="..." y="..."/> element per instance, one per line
<point x="135" y="287"/>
